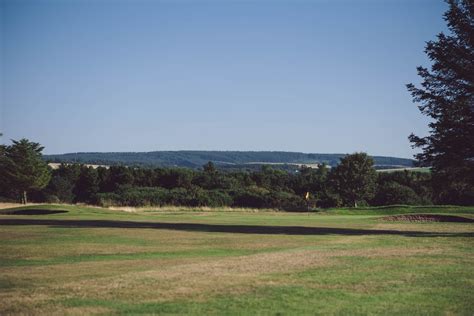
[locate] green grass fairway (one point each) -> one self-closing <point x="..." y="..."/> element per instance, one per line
<point x="92" y="260"/>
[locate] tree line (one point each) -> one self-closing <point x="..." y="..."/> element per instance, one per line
<point x="352" y="182"/>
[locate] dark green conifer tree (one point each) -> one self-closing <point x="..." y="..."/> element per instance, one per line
<point x="446" y="95"/>
<point x="22" y="169"/>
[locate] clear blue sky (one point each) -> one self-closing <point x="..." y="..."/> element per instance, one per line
<point x="311" y="76"/>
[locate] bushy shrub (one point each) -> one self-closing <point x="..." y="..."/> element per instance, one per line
<point x="219" y="198"/>
<point x="108" y="199"/>
<point x="151" y="196"/>
<point x="52" y="199"/>
<point x="394" y="193"/>
<point x="419" y="182"/>
<point x="327" y="199"/>
<point x="286" y="201"/>
<point x="249" y="198"/>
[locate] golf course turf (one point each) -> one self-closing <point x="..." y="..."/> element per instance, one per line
<point x="63" y="259"/>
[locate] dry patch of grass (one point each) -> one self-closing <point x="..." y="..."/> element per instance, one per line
<point x="34" y="287"/>
<point x="162" y="280"/>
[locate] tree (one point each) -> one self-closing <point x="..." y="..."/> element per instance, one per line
<point x="60" y="188"/>
<point x="62" y="183"/>
<point x="87" y="185"/>
<point x="419" y="182"/>
<point x="209" y="168"/>
<point x="446" y="95"/>
<point x="116" y="177"/>
<point x="354" y="178"/>
<point x="22" y="167"/>
<point x="309" y="180"/>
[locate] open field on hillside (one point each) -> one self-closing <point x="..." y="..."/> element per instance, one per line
<point x="92" y="260"/>
<point x="413" y="169"/>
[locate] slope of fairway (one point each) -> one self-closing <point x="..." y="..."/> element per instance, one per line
<point x="92" y="260"/>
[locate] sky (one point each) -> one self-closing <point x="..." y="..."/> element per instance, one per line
<point x="310" y="76"/>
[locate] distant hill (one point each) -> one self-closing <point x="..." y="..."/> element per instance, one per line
<point x="223" y="159"/>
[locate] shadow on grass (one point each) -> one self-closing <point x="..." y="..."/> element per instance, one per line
<point x="32" y="212"/>
<point x="237" y="229"/>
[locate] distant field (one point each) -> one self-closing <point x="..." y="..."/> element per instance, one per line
<point x="55" y="165"/>
<point x="177" y="261"/>
<point x="414" y="169"/>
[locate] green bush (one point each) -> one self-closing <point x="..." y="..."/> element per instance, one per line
<point x="249" y="198"/>
<point x="152" y="196"/>
<point x="394" y="193"/>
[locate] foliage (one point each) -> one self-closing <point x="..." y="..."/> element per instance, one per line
<point x="149" y="196"/>
<point x="353" y="182"/>
<point x="412" y="188"/>
<point x="87" y="185"/>
<point x="354" y="179"/>
<point x="22" y="168"/>
<point x="446" y="95"/>
<point x="62" y="188"/>
<point x="392" y="193"/>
